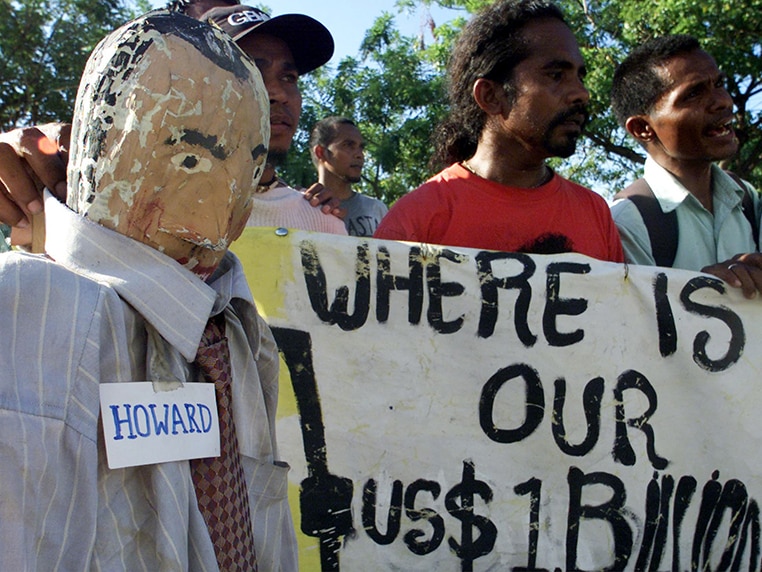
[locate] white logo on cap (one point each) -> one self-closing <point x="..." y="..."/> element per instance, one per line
<point x="247" y="17"/>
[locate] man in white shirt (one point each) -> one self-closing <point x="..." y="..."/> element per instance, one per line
<point x="283" y="48"/>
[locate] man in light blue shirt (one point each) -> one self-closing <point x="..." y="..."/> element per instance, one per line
<point x="670" y="96"/>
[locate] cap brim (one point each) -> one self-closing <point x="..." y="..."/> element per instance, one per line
<point x="310" y="42"/>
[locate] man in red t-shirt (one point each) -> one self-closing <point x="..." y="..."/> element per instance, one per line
<point x="507" y="117"/>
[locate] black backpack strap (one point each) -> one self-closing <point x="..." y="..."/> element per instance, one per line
<point x="662" y="227"/>
<point x="747" y="205"/>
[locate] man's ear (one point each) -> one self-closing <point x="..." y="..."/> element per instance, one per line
<point x="489" y="96"/>
<point x="319" y="152"/>
<point x="640" y="128"/>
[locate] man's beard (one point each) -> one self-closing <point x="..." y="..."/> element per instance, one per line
<point x="568" y="145"/>
<point x="276" y="157"/>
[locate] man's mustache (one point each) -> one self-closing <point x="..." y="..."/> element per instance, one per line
<point x="576" y="111"/>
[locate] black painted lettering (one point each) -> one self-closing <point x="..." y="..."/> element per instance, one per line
<point x="392" y="519"/>
<point x="710" y="497"/>
<point x="556" y="306"/>
<point x="656" y="524"/>
<point x="325" y="499"/>
<point x="612" y="512"/>
<point x="490" y="286"/>
<point x="386" y="283"/>
<point x="665" y="320"/>
<point x="533" y="488"/>
<point x="416" y="540"/>
<point x="686" y="487"/>
<point x="535" y="403"/>
<point x="459" y="502"/>
<point x="722" y="313"/>
<point x="623" y="451"/>
<point x="439" y="290"/>
<point x="733" y="501"/>
<point x="591" y="403"/>
<point x="317" y="289"/>
<point x="750" y="533"/>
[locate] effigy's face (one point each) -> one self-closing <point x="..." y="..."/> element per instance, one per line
<point x="181" y="143"/>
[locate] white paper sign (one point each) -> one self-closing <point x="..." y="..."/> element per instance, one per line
<point x="143" y="426"/>
<point x="457" y="409"/>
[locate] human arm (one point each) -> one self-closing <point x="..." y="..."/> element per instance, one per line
<point x="322" y="197"/>
<point x="31" y="158"/>
<point x="743" y="271"/>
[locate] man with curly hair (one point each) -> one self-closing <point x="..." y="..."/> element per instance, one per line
<point x="517" y="97"/>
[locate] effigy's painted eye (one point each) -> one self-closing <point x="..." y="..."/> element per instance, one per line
<point x="191" y="163"/>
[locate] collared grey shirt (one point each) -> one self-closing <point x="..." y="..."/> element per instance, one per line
<point x="113" y="310"/>
<point x="705" y="238"/>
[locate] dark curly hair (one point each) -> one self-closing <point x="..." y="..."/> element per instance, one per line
<point x="637" y="83"/>
<point x="490" y="46"/>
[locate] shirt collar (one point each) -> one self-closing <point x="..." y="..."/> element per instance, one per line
<point x="229" y="282"/>
<point x="176" y="302"/>
<point x="725" y="188"/>
<point x="670" y="192"/>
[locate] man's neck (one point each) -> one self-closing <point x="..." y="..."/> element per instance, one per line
<point x="268" y="175"/>
<point x="508" y="168"/>
<point x="342" y="189"/>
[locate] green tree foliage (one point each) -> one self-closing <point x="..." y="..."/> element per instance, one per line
<point x="44" y="45"/>
<point x="608" y="29"/>
<point x="394" y="87"/>
<point x="393" y="92"/>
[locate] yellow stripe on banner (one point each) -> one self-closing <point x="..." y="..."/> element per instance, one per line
<point x="266" y="257"/>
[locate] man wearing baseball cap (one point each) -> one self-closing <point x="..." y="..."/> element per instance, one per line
<point x="310" y="42"/>
<point x="283" y="48"/>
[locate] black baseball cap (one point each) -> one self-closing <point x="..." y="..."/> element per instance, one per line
<point x="310" y="42"/>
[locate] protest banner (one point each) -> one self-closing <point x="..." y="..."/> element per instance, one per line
<point x="457" y="409"/>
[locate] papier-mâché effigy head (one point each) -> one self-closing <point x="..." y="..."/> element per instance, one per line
<point x="169" y="137"/>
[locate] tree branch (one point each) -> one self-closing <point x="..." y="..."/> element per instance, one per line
<point x="611" y="147"/>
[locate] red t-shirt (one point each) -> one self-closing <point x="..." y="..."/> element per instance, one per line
<point x="458" y="208"/>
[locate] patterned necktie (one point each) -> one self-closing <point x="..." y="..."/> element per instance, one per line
<point x="219" y="481"/>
